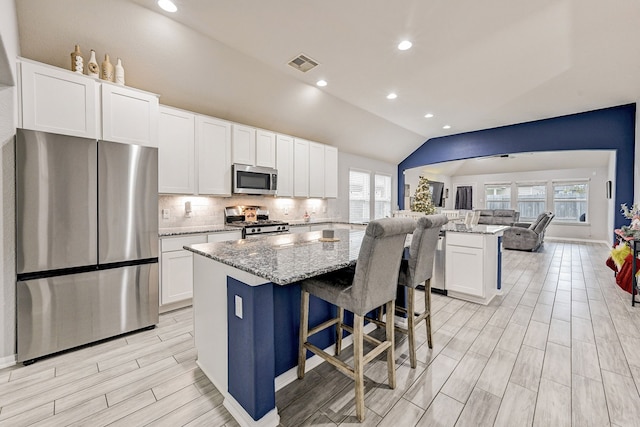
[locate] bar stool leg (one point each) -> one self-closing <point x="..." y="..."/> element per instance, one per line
<point x="304" y="330"/>
<point x="427" y="307"/>
<point x="391" y="358"/>
<point x="411" y="325"/>
<point x="358" y="368"/>
<point x="339" y="330"/>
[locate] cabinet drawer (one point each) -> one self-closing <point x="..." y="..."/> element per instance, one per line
<point x="465" y="239"/>
<point x="176" y="243"/>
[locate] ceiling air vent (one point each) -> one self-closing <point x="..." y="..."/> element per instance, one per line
<point x="303" y="63"/>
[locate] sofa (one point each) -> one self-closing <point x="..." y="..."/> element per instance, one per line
<point x="527" y="237"/>
<point x="498" y="216"/>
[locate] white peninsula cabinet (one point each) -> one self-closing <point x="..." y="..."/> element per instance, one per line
<point x="56" y="100"/>
<point x="473" y="263"/>
<point x="194" y="155"/>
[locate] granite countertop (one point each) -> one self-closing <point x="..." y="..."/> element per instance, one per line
<point x="286" y="258"/>
<point x="477" y="229"/>
<point x="179" y="231"/>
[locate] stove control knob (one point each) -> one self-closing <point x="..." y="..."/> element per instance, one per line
<point x="259" y="230"/>
<point x="253" y="230"/>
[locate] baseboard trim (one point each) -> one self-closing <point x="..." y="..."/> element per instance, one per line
<point x="571" y="239"/>
<point x="7" y="361"/>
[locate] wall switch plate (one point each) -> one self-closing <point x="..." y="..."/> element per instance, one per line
<point x="286" y="210"/>
<point x="166" y="214"/>
<point x="238" y="303"/>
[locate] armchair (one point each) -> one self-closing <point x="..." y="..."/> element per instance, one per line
<point x="527" y="237"/>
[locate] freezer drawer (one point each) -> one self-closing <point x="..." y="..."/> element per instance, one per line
<point x="63" y="312"/>
<point x="127" y="202"/>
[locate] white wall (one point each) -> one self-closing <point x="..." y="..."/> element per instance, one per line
<point x="347" y="161"/>
<point x="597" y="226"/>
<point x="9" y="49"/>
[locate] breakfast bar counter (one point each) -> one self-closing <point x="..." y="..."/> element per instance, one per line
<point x="246" y="302"/>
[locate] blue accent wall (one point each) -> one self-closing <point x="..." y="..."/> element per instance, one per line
<point x="251" y="347"/>
<point x="606" y="129"/>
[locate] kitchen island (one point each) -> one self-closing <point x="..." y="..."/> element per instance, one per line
<point x="246" y="301"/>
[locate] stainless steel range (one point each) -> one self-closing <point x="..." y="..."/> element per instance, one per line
<point x="253" y="220"/>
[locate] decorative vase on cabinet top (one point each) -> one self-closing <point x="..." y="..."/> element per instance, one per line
<point x="92" y="66"/>
<point x="77" y="62"/>
<point x="119" y="73"/>
<point x="107" y="70"/>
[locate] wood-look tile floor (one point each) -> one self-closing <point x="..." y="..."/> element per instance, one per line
<point x="560" y="347"/>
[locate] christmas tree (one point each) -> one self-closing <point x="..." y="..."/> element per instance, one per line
<point x="422" y="198"/>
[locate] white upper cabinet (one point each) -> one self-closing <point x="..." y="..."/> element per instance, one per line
<point x="129" y="116"/>
<point x="213" y="151"/>
<point x="316" y="169"/>
<point x="284" y="165"/>
<point x="176" y="145"/>
<point x="300" y="168"/>
<point x="265" y="148"/>
<point x="330" y="171"/>
<point x="59" y="101"/>
<point x="244" y="144"/>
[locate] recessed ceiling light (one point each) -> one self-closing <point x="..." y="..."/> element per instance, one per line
<point x="167" y="5"/>
<point x="392" y="96"/>
<point x="446" y="127"/>
<point x="428" y="115"/>
<point x="404" y="45"/>
<point x="321" y="83"/>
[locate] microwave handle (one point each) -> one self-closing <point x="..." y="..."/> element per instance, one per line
<point x="274" y="182"/>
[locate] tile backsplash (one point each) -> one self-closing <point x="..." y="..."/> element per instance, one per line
<point x="210" y="210"/>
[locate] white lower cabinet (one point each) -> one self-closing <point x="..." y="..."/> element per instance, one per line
<point x="176" y="266"/>
<point x="299" y="229"/>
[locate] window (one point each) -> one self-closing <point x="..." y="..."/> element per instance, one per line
<point x="531" y="200"/>
<point x="382" y="196"/>
<point x="359" y="188"/>
<point x="497" y="196"/>
<point x="570" y="201"/>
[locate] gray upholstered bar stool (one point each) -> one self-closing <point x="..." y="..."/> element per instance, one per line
<point x="371" y="284"/>
<point x="418" y="269"/>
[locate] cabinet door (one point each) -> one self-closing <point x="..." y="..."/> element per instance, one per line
<point x="330" y="171"/>
<point x="299" y="229"/>
<point x="176" y="145"/>
<point x="213" y="141"/>
<point x="316" y="169"/>
<point x="177" y="276"/>
<point x="284" y="164"/>
<point x="244" y="145"/>
<point x="58" y="101"/>
<point x="129" y="116"/>
<point x="265" y="148"/>
<point x="300" y="168"/>
<point x="464" y="270"/>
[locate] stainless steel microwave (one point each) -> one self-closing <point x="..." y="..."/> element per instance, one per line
<point x="254" y="179"/>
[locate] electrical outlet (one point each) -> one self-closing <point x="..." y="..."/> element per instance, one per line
<point x="324" y="209"/>
<point x="238" y="304"/>
<point x="166" y="214"/>
<point x="286" y="210"/>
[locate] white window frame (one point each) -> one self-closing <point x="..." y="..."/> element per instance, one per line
<point x="497" y="184"/>
<point x="388" y="200"/>
<point x="372" y="195"/>
<point x="366" y="216"/>
<point x="542" y="199"/>
<point x="557" y="218"/>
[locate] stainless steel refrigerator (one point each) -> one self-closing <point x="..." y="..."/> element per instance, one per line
<point x="86" y="241"/>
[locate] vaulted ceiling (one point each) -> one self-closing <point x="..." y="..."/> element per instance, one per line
<point x="473" y="65"/>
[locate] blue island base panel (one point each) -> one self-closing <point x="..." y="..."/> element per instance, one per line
<point x="251" y="356"/>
